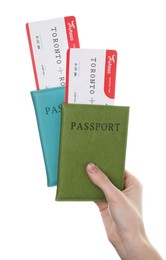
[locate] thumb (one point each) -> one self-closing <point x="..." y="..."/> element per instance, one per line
<point x="119" y="207"/>
<point x="112" y="194"/>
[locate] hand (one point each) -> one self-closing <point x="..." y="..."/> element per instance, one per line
<point x="122" y="216"/>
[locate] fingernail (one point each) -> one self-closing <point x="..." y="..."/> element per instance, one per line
<point x="91" y="167"/>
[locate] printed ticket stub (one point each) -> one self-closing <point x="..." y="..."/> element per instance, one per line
<point x="48" y="42"/>
<point x="90" y="76"/>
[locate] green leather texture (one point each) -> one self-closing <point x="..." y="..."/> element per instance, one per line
<point x="91" y="133"/>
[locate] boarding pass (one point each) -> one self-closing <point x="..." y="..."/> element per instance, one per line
<point x="91" y="76"/>
<point x="48" y="42"/>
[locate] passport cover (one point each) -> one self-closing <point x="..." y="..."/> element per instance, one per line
<point x="91" y="133"/>
<point x="47" y="104"/>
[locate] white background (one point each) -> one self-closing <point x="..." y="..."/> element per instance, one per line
<point x="32" y="224"/>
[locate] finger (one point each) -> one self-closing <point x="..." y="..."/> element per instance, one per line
<point x="102" y="205"/>
<point x="112" y="194"/>
<point x="106" y="215"/>
<point x="133" y="191"/>
<point x="131" y="182"/>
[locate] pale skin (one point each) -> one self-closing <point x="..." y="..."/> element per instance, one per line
<point x="122" y="216"/>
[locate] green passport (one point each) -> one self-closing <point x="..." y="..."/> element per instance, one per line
<point x="91" y="133"/>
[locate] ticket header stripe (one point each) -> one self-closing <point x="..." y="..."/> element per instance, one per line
<point x="71" y="31"/>
<point x="110" y="73"/>
<point x="32" y="56"/>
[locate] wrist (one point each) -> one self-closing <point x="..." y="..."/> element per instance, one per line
<point x="141" y="249"/>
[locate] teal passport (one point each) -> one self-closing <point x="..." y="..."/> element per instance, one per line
<point x="91" y="133"/>
<point x="47" y="104"/>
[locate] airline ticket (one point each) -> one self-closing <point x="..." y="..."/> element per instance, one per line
<point x="91" y="76"/>
<point x="48" y="42"/>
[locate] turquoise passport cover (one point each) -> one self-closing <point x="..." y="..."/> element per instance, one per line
<point x="47" y="105"/>
<point x="91" y="133"/>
